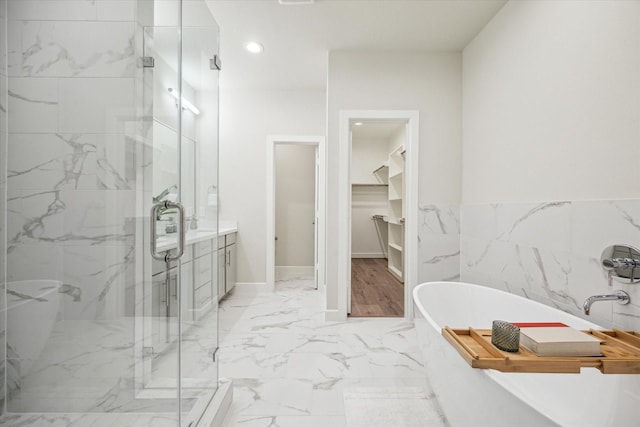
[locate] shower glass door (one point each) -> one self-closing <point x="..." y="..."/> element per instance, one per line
<point x="109" y="111"/>
<point x="199" y="304"/>
<point x="179" y="326"/>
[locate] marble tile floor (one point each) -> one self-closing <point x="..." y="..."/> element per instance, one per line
<point x="292" y="368"/>
<point x="289" y="366"/>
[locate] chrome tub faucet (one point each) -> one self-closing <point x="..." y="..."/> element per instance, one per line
<point x="621" y="296"/>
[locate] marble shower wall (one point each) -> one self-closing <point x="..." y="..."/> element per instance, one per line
<point x="550" y="252"/>
<point x="3" y="187"/>
<point x="71" y="183"/>
<point x="71" y="170"/>
<point x="438" y="243"/>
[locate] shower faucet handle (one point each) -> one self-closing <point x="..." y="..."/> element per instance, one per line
<point x="621" y="262"/>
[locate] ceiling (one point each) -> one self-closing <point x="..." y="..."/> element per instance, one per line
<point x="297" y="38"/>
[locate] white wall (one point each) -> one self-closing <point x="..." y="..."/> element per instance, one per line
<point x="428" y="82"/>
<point x="246" y="118"/>
<point x="552" y="103"/>
<point x="367" y="155"/>
<point x="551" y="124"/>
<point x="295" y="204"/>
<point x="398" y="139"/>
<point x="368" y="237"/>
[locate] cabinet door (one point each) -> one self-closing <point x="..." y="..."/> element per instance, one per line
<point x="221" y="273"/>
<point x="164" y="310"/>
<point x="230" y="269"/>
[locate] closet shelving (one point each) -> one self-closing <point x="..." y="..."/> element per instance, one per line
<point x="396" y="212"/>
<point x="381" y="174"/>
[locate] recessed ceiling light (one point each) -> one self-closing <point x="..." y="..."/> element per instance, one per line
<point x="358" y="123"/>
<point x="253" y="47"/>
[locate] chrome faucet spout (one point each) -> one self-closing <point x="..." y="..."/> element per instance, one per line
<point x="160" y="197"/>
<point x="621" y="296"/>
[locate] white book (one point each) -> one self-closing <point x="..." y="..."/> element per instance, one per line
<point x="562" y="341"/>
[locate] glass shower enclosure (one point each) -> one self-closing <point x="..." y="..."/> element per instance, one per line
<point x="108" y="222"/>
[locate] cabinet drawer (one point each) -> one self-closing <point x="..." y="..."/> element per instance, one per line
<point x="203" y="270"/>
<point x="188" y="253"/>
<point x="231" y="238"/>
<point x="203" y="296"/>
<point x="201" y="248"/>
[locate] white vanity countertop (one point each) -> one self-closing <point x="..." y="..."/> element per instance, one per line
<point x="166" y="242"/>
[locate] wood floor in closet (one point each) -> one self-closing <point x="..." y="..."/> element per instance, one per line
<point x="374" y="291"/>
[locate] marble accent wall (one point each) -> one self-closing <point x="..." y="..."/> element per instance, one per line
<point x="3" y="198"/>
<point x="71" y="188"/>
<point x="438" y="243"/>
<point x="550" y="252"/>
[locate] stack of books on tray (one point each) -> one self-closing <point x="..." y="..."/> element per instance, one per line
<point x="557" y="339"/>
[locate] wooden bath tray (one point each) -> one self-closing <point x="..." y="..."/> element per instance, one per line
<point x="620" y="349"/>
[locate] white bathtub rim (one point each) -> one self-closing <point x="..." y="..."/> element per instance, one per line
<point x="438" y="328"/>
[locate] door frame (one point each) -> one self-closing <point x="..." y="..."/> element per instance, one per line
<point x="319" y="143"/>
<point x="412" y="120"/>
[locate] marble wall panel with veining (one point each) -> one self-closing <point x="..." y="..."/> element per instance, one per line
<point x="72" y="10"/>
<point x="70" y="218"/>
<point x="73" y="158"/>
<point x="90" y="105"/>
<point x="438" y="243"/>
<point x="550" y="252"/>
<point x="53" y="49"/>
<point x="3" y="197"/>
<point x="32" y="105"/>
<point x="48" y="161"/>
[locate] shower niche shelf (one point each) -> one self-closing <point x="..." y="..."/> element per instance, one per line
<point x="620" y="349"/>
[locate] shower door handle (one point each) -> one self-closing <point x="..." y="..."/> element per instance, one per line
<point x="155" y="211"/>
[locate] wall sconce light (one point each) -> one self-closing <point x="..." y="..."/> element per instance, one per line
<point x="185" y="104"/>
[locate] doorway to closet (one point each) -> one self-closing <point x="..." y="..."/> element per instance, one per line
<point x="377" y="218"/>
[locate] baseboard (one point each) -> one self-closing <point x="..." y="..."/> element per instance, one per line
<point x="368" y="255"/>
<point x="252" y="287"/>
<point x="291" y="271"/>
<point x="334" y="316"/>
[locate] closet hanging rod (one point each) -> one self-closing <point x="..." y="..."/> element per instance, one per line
<point x="383" y="166"/>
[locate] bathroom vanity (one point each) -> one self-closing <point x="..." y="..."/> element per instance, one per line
<point x="207" y="255"/>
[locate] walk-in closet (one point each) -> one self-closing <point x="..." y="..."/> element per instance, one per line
<point x="377" y="219"/>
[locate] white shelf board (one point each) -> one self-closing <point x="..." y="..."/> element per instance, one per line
<point x="396" y="247"/>
<point x="395" y="272"/>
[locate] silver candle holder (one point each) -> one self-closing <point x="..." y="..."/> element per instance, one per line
<point x="505" y="336"/>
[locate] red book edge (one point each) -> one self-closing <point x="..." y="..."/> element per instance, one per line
<point x="539" y="324"/>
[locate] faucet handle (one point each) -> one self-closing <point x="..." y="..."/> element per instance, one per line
<point x="621" y="262"/>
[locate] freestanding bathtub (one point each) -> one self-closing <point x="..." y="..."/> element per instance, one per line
<point x="485" y="397"/>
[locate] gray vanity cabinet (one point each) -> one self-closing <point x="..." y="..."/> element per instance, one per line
<point x="164" y="302"/>
<point x="230" y="268"/>
<point x="226" y="264"/>
<point x="201" y="295"/>
<point x="221" y="268"/>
